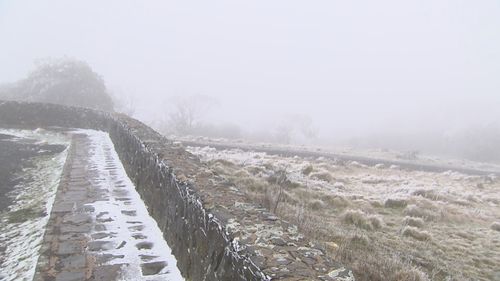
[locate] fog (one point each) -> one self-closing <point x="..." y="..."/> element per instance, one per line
<point x="373" y="73"/>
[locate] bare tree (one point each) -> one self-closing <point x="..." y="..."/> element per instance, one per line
<point x="293" y="126"/>
<point x="281" y="180"/>
<point x="124" y="103"/>
<point x="186" y="112"/>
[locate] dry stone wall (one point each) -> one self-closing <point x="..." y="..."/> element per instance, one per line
<point x="214" y="231"/>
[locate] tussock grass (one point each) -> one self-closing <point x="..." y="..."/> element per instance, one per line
<point x="307" y="170"/>
<point x="359" y="252"/>
<point x="386" y="224"/>
<point x="336" y="201"/>
<point x="362" y="220"/>
<point x="419" y="212"/>
<point x="431" y="195"/>
<point x="395" y="203"/>
<point x="322" y="175"/>
<point x="495" y="226"/>
<point x="415" y="233"/>
<point x="316" y="205"/>
<point x="412" y="274"/>
<point x="415" y="222"/>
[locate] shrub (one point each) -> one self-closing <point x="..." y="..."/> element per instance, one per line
<point x="65" y="81"/>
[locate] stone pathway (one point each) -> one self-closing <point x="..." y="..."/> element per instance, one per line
<point x="99" y="228"/>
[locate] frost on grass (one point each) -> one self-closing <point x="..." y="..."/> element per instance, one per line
<point x="395" y="203"/>
<point x="495" y="226"/>
<point x="23" y="224"/>
<point x="415" y="222"/>
<point x="416" y="233"/>
<point x="362" y="220"/>
<point x="409" y="218"/>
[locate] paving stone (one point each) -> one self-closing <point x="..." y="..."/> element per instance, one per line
<point x="152" y="268"/>
<point x="78" y="232"/>
<point x="100" y="227"/>
<point x="69" y="247"/>
<point x="70" y="276"/>
<point x="82" y="228"/>
<point x="95" y="246"/>
<point x="144" y="245"/>
<point x="72" y="236"/>
<point x="77" y="218"/>
<point x="136" y="228"/>
<point x="101" y="235"/>
<point x="129" y="213"/>
<point x="73" y="261"/>
<point x="87" y="208"/>
<point x="139" y="236"/>
<point x="105" y="258"/>
<point x="147" y="258"/>
<point x="62" y="207"/>
<point x="108" y="272"/>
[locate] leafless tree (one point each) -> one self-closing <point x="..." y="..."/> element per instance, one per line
<point x="186" y="112"/>
<point x="294" y="125"/>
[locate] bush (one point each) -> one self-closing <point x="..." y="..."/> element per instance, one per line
<point x="64" y="81"/>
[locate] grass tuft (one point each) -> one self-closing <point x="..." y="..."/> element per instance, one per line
<point x="415" y="233"/>
<point x="495" y="226"/>
<point x="415" y="222"/>
<point x="361" y="220"/>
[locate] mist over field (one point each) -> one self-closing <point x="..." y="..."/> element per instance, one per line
<point x="404" y="75"/>
<point x="280" y="140"/>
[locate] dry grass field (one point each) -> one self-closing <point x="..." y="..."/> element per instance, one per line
<point x="386" y="223"/>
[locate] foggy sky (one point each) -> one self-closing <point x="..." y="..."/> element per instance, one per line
<point x="355" y="67"/>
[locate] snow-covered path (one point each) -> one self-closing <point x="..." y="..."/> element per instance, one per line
<point x="99" y="227"/>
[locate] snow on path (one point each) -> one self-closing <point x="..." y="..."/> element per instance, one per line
<point x="136" y="236"/>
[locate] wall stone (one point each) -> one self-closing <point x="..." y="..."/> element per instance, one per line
<point x="214" y="231"/>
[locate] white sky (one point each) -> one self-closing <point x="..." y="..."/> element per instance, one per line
<point x="354" y="66"/>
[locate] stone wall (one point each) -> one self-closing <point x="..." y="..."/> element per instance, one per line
<point x="214" y="231"/>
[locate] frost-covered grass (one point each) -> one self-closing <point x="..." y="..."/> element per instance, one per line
<point x="384" y="222"/>
<point x="23" y="224"/>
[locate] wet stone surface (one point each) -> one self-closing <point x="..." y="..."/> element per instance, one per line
<point x="91" y="234"/>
